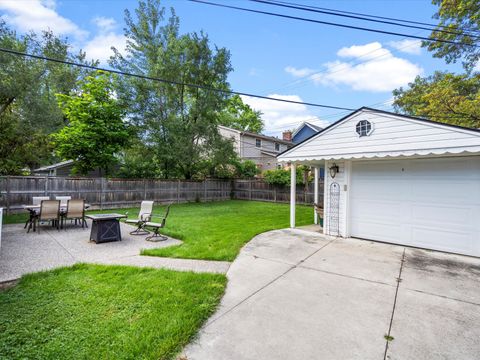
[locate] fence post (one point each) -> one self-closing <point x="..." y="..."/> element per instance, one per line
<point x="178" y="191"/>
<point x="205" y="190"/>
<point x="144" y="189"/>
<point x="102" y="192"/>
<point x="45" y="190"/>
<point x="8" y="194"/>
<point x="250" y="189"/>
<point x="274" y="193"/>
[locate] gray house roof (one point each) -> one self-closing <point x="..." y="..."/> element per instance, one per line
<point x="54" y="166"/>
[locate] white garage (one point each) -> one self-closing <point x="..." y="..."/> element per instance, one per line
<point x="397" y="179"/>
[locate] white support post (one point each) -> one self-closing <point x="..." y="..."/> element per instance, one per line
<point x="316" y="172"/>
<point x="293" y="193"/>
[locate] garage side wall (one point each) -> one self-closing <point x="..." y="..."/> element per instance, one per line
<point x="343" y="180"/>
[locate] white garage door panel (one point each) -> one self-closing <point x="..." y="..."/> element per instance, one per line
<point x="452" y="241"/>
<point x="430" y="203"/>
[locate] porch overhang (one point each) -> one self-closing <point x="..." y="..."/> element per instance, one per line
<point x="313" y="160"/>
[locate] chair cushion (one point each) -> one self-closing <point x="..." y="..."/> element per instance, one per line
<point x="153" y="224"/>
<point x="132" y="221"/>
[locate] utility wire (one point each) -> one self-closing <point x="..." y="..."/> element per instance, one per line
<point x="71" y="63"/>
<point x="434" y="26"/>
<point x="357" y="17"/>
<point x="330" y="23"/>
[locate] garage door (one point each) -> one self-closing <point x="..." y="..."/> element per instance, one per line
<point x="428" y="203"/>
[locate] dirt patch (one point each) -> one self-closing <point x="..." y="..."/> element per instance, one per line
<point x="422" y="260"/>
<point x="7" y="284"/>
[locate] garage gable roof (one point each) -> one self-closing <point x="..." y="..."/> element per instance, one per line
<point x="391" y="135"/>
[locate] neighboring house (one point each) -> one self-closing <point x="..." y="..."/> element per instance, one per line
<point x="63" y="168"/>
<point x="397" y="179"/>
<point x="304" y="131"/>
<point x="260" y="149"/>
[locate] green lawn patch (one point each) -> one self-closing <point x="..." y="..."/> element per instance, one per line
<point x="218" y="230"/>
<point x="105" y="312"/>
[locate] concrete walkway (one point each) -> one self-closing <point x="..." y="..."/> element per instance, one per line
<point x="294" y="294"/>
<point x="23" y="253"/>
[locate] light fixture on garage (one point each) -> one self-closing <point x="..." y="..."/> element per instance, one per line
<point x="333" y="170"/>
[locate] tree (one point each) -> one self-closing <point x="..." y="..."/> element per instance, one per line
<point x="28" y="107"/>
<point x="177" y="122"/>
<point x="96" y="131"/>
<point x="241" y="116"/>
<point x="459" y="22"/>
<point x="443" y="97"/>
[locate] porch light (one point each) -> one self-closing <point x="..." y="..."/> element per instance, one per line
<point x="333" y="170"/>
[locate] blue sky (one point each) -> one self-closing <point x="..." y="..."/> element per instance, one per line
<point x="270" y="56"/>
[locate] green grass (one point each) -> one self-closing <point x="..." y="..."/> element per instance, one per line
<point x="218" y="230"/>
<point x="105" y="312"/>
<point x="215" y="230"/>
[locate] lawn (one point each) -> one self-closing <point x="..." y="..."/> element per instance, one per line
<point x="105" y="312"/>
<point x="218" y="230"/>
<point x="215" y="230"/>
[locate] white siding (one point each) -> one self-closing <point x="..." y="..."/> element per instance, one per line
<point x="392" y="136"/>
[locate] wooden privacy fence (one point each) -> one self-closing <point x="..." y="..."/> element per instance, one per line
<point x="103" y="193"/>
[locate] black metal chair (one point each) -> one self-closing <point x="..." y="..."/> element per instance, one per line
<point x="156" y="226"/>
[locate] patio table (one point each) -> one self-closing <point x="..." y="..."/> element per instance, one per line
<point x="105" y="227"/>
<point x="34" y="209"/>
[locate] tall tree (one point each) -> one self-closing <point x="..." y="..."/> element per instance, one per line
<point x="28" y="107"/>
<point x="178" y="123"/>
<point x="241" y="116"/>
<point x="459" y="22"/>
<point x="443" y="97"/>
<point x="96" y="131"/>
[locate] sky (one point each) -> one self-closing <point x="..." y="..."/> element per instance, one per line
<point x="271" y="56"/>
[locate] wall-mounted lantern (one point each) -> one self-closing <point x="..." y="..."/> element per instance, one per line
<point x="333" y="170"/>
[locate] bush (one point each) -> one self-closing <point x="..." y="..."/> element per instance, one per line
<point x="247" y="169"/>
<point x="282" y="176"/>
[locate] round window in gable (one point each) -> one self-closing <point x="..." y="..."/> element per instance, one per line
<point x="364" y="128"/>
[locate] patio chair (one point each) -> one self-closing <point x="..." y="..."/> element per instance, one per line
<point x="50" y="212"/>
<point x="36" y="200"/>
<point x="75" y="211"/>
<point x="63" y="200"/>
<point x="156" y="226"/>
<point x="145" y="215"/>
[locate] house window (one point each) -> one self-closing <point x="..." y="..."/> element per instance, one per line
<point x="258" y="143"/>
<point x="364" y="128"/>
<point x="277" y="147"/>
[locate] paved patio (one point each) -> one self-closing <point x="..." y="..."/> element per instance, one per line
<point x="294" y="294"/>
<point x="23" y="252"/>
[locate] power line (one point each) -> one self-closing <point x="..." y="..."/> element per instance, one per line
<point x="173" y="82"/>
<point x="358" y="17"/>
<point x="331" y="23"/>
<point x="372" y="16"/>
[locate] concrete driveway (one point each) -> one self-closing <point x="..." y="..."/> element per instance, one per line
<point x="294" y="294"/>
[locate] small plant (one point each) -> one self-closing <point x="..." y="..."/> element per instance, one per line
<point x="388" y="337"/>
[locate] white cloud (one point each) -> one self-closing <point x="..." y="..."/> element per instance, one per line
<point x="408" y="46"/>
<point x="99" y="47"/>
<point x="280" y="116"/>
<point x="39" y="15"/>
<point x="382" y="72"/>
<point x="299" y="72"/>
<point x="104" y="24"/>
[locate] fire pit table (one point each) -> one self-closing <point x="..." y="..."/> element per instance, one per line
<point x="105" y="227"/>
